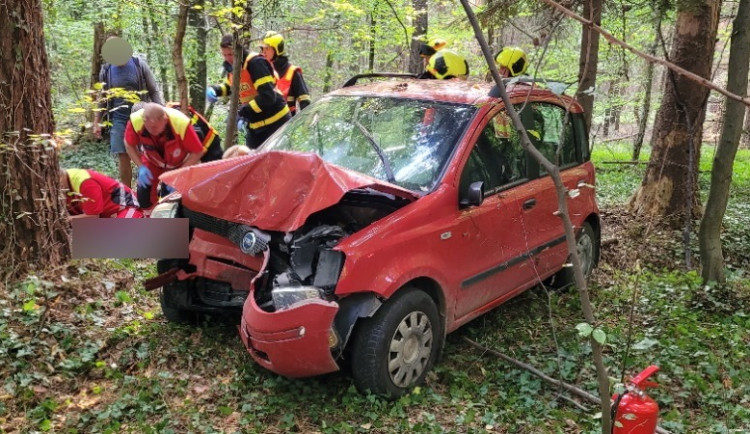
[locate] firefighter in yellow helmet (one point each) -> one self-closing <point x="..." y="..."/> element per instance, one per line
<point x="511" y="62"/>
<point x="446" y="64"/>
<point x="263" y="109"/>
<point x="290" y="83"/>
<point x="429" y="49"/>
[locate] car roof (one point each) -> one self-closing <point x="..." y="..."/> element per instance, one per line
<point x="454" y="91"/>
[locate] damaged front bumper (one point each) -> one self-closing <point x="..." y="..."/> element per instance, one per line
<point x="296" y="341"/>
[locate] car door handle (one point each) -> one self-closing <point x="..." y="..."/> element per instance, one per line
<point x="531" y="203"/>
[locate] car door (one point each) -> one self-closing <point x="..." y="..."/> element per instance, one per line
<point x="551" y="130"/>
<point x="495" y="266"/>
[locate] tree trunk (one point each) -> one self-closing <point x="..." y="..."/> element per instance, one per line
<point x="198" y="87"/>
<point x="239" y="43"/>
<point x="33" y="225"/>
<point x="745" y="142"/>
<point x="373" y="37"/>
<point x="587" y="63"/>
<point x="416" y="66"/>
<point x="96" y="56"/>
<point x="669" y="188"/>
<point x="648" y="82"/>
<point x="163" y="76"/>
<point x="179" y="64"/>
<point x="329" y="72"/>
<point x="712" y="260"/>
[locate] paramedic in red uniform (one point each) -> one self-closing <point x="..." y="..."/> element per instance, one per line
<point x="159" y="139"/>
<point x="91" y="194"/>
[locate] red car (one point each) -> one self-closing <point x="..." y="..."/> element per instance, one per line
<point x="379" y="219"/>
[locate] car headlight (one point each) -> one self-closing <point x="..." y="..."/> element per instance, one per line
<point x="165" y="210"/>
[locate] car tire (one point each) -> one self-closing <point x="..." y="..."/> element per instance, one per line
<point x="395" y="349"/>
<point x="587" y="244"/>
<point x="173" y="299"/>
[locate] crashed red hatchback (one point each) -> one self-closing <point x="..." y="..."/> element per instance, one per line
<point x="379" y="219"/>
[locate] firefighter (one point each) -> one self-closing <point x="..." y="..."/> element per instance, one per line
<point x="446" y="64"/>
<point x="511" y="62"/>
<point x="91" y="194"/>
<point x="427" y="50"/>
<point x="159" y="139"/>
<point x="291" y="83"/>
<point x="263" y="108"/>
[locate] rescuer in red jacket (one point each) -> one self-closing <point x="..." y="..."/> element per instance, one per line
<point x="159" y="139"/>
<point x="91" y="194"/>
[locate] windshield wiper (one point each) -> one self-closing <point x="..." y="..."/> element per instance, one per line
<point x="379" y="151"/>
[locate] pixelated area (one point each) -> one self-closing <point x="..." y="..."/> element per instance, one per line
<point x="117" y="51"/>
<point x="130" y="238"/>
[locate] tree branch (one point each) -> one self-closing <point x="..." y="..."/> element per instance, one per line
<point x="650" y="58"/>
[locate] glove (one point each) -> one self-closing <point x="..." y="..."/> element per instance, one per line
<point x="211" y="95"/>
<point x="144" y="176"/>
<point x="241" y="124"/>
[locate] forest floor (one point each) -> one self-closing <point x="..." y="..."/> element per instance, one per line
<point x="85" y="348"/>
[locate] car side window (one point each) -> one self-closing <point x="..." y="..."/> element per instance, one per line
<point x="551" y="131"/>
<point x="497" y="158"/>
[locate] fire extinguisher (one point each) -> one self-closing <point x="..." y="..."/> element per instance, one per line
<point x="634" y="412"/>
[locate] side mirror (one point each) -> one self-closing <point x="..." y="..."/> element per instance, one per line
<point x="474" y="195"/>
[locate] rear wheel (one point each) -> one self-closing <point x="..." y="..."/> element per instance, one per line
<point x="395" y="349"/>
<point x="587" y="246"/>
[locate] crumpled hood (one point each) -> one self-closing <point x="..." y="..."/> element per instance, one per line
<point x="273" y="190"/>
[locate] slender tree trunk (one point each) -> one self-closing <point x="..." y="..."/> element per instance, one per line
<point x="712" y="260"/>
<point x="179" y="64"/>
<point x="373" y="37"/>
<point x="416" y="66"/>
<point x="745" y="142"/>
<point x="669" y="188"/>
<point x="589" y="59"/>
<point x="198" y="86"/>
<point x="163" y="76"/>
<point x="34" y="229"/>
<point x="329" y="72"/>
<point x="239" y="43"/>
<point x="648" y="82"/>
<point x="96" y="56"/>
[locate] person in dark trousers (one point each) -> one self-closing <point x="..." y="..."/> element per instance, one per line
<point x="291" y="83"/>
<point x="263" y="108"/>
<point x="132" y="75"/>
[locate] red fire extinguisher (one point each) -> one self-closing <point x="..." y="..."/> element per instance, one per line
<point x="634" y="412"/>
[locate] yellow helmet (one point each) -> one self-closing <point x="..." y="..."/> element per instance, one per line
<point x="512" y="58"/>
<point x="447" y="64"/>
<point x="275" y="41"/>
<point x="427" y="49"/>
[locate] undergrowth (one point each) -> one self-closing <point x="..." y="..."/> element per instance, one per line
<point x="86" y="349"/>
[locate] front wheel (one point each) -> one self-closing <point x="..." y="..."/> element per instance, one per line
<point x="395" y="349"/>
<point x="174" y="299"/>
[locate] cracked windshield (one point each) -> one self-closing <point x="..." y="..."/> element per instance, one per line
<point x="405" y="142"/>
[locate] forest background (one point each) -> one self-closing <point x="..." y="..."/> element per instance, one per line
<point x="85" y="348"/>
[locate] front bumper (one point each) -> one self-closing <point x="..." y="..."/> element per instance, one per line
<point x="294" y="342"/>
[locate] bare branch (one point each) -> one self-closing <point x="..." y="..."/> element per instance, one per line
<point x="648" y="57"/>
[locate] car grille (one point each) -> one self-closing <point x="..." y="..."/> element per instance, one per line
<point x="209" y="224"/>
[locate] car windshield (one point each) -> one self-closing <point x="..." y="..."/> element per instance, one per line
<point x="406" y="142"/>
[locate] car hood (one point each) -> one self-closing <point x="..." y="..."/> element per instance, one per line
<point x="273" y="190"/>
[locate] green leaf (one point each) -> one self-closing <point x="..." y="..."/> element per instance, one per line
<point x="644" y="344"/>
<point x="584" y="329"/>
<point x="599" y="336"/>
